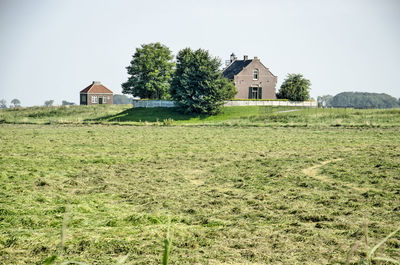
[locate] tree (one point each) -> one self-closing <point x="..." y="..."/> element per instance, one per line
<point x="67" y="103"/>
<point x="295" y="88"/>
<point x="3" y="104"/>
<point x="364" y="100"/>
<point x="325" y="101"/>
<point x="122" y="99"/>
<point x="150" y="72"/>
<point x="49" y="103"/>
<point x="198" y="85"/>
<point x="15" y="103"/>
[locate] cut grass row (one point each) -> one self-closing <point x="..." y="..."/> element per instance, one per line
<point x="231" y="195"/>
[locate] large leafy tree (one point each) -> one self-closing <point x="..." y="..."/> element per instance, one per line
<point x="295" y="87"/>
<point x="150" y="72"/>
<point x="198" y="85"/>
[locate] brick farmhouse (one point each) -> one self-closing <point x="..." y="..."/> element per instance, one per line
<point x="96" y="94"/>
<point x="251" y="78"/>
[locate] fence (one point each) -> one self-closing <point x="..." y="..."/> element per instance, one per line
<point x="280" y="103"/>
<point x="309" y="104"/>
<point x="153" y="103"/>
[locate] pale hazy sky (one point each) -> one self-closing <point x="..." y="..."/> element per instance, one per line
<point x="51" y="49"/>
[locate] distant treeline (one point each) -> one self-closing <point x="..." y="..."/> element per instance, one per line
<point x="122" y="99"/>
<point x="359" y="100"/>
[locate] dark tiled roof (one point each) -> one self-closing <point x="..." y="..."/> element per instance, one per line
<point x="235" y="68"/>
<point x="96" y="88"/>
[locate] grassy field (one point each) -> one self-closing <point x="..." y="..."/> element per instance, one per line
<point x="230" y="116"/>
<point x="294" y="191"/>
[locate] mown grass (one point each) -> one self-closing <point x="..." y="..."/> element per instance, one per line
<point x="58" y="114"/>
<point x="229" y="195"/>
<point x="230" y="116"/>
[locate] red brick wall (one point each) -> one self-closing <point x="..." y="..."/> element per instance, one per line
<point x="107" y="99"/>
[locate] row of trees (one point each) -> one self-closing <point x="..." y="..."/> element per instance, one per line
<point x="49" y="103"/>
<point x="17" y="103"/>
<point x="359" y="100"/>
<point x="14" y="103"/>
<point x="195" y="82"/>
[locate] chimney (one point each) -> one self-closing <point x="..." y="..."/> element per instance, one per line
<point x="245" y="57"/>
<point x="96" y="83"/>
<point x="233" y="57"/>
<point x="255" y="58"/>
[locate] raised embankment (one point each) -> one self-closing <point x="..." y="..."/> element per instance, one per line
<point x="169" y="104"/>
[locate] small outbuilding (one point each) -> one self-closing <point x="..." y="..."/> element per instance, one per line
<point x="95" y="94"/>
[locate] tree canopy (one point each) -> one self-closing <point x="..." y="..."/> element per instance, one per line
<point x="3" y="104"/>
<point x="364" y="100"/>
<point x="325" y="101"/>
<point x="198" y="85"/>
<point x="49" y="103"/>
<point x="150" y="72"/>
<point x="15" y="102"/>
<point x="295" y="88"/>
<point x="67" y="103"/>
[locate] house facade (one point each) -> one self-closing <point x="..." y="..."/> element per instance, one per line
<point x="96" y="94"/>
<point x="251" y="78"/>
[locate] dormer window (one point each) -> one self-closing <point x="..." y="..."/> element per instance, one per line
<point x="255" y="74"/>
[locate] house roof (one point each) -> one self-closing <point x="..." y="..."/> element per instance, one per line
<point x="96" y="87"/>
<point x="235" y="67"/>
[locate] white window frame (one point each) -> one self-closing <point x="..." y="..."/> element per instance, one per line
<point x="94" y="99"/>
<point x="256" y="74"/>
<point x="104" y="99"/>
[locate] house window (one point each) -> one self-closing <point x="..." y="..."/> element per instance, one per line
<point x="104" y="100"/>
<point x="83" y="99"/>
<point x="255" y="74"/>
<point x="94" y="99"/>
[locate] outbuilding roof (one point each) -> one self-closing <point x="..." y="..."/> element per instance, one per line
<point x="96" y="87"/>
<point x="235" y="67"/>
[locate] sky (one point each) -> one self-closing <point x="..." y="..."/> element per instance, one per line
<point x="52" y="49"/>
